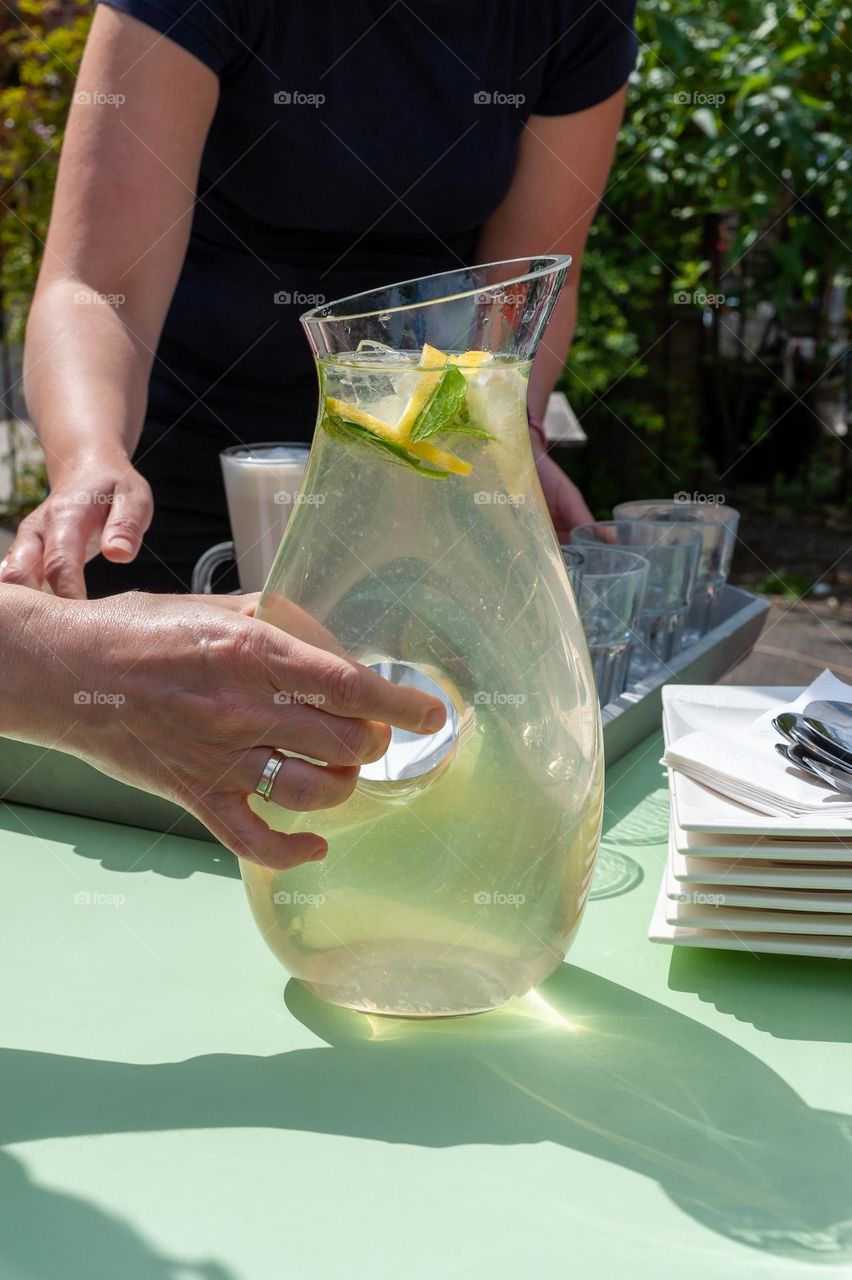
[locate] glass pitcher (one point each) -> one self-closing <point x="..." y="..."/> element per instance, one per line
<point x="457" y="871"/>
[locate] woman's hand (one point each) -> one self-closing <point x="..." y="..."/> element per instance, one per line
<point x="565" y="502"/>
<point x="189" y="698"/>
<point x="105" y="506"/>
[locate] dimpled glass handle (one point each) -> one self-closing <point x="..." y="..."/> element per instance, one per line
<point x="207" y="564"/>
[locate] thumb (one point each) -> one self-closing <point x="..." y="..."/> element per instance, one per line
<point x="129" y="517"/>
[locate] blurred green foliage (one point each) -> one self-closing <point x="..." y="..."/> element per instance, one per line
<point x="40" y="51"/>
<point x="732" y="177"/>
<point x="783" y="582"/>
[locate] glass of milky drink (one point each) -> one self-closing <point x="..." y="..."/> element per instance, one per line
<point x="262" y="488"/>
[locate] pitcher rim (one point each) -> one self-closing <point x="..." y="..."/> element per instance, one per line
<point x="325" y="313"/>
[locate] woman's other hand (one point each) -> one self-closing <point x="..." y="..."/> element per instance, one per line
<point x="565" y="502"/>
<point x="105" y="506"/>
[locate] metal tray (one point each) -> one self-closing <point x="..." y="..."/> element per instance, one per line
<point x="638" y="712"/>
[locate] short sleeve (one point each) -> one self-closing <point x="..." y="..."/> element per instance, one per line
<point x="591" y="59"/>
<point x="214" y="31"/>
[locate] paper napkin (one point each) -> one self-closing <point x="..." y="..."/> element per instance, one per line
<point x="749" y="770"/>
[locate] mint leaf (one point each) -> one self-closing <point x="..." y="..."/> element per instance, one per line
<point x="447" y="402"/>
<point x="464" y="428"/>
<point x="342" y="428"/>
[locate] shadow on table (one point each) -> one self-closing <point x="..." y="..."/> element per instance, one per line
<point x="582" y="1062"/>
<point x="48" y="1234"/>
<point x="636" y="814"/>
<point x="792" y="997"/>
<point x="122" y="849"/>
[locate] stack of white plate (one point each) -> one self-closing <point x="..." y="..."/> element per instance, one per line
<point x="738" y="879"/>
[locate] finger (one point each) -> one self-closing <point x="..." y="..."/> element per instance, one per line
<point x="332" y="739"/>
<point x="131" y="510"/>
<point x="353" y="690"/>
<point x="23" y="564"/>
<point x="231" y="821"/>
<point x="299" y="785"/>
<point x="342" y="687"/>
<point x="65" y="550"/>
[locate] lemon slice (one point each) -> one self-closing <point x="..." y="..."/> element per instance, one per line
<point x="430" y="358"/>
<point x="440" y="458"/>
<point x="343" y="410"/>
<point x="498" y="402"/>
<point x="471" y="359"/>
<point x="425" y="451"/>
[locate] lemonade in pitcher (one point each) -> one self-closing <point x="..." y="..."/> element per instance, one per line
<point x="421" y="545"/>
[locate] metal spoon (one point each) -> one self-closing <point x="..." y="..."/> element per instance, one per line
<point x="836" y="712"/>
<point x="825" y="773"/>
<point x="835" y="778"/>
<point x="796" y="729"/>
<point x="797" y="758"/>
<point x="832" y="721"/>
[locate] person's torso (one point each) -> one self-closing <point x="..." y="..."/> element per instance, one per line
<point x="353" y="145"/>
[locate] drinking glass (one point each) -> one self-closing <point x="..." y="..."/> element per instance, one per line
<point x="672" y="552"/>
<point x="261" y="487"/>
<point x="718" y="526"/>
<point x="611" y="594"/>
<point x="573" y="567"/>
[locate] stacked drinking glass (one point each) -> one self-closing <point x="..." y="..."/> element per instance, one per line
<point x="649" y="584"/>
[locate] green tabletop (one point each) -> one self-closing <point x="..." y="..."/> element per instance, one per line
<point x="172" y="1107"/>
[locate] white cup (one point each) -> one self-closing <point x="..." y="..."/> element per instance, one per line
<point x="261" y="487"/>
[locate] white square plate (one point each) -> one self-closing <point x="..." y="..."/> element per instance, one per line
<point x="707" y="915"/>
<point x="791" y="944"/>
<point x="728" y="710"/>
<point x="763" y="874"/>
<point x="732" y="848"/>
<point x="756" y="896"/>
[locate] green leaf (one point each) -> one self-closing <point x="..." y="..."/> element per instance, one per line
<point x="751" y="83"/>
<point x="816" y="104"/>
<point x="343" y="429"/>
<point x="797" y="51"/>
<point x="447" y="402"/>
<point x="469" y="429"/>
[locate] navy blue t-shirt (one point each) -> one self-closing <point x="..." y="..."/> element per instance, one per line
<point x="355" y="143"/>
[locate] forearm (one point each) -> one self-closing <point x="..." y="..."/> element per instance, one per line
<point x="86" y="369"/>
<point x="562" y="167"/>
<point x="498" y="242"/>
<point x="553" y="352"/>
<point x="119" y="228"/>
<point x="36" y="685"/>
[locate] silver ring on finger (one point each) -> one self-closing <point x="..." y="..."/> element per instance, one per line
<point x="270" y="773"/>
